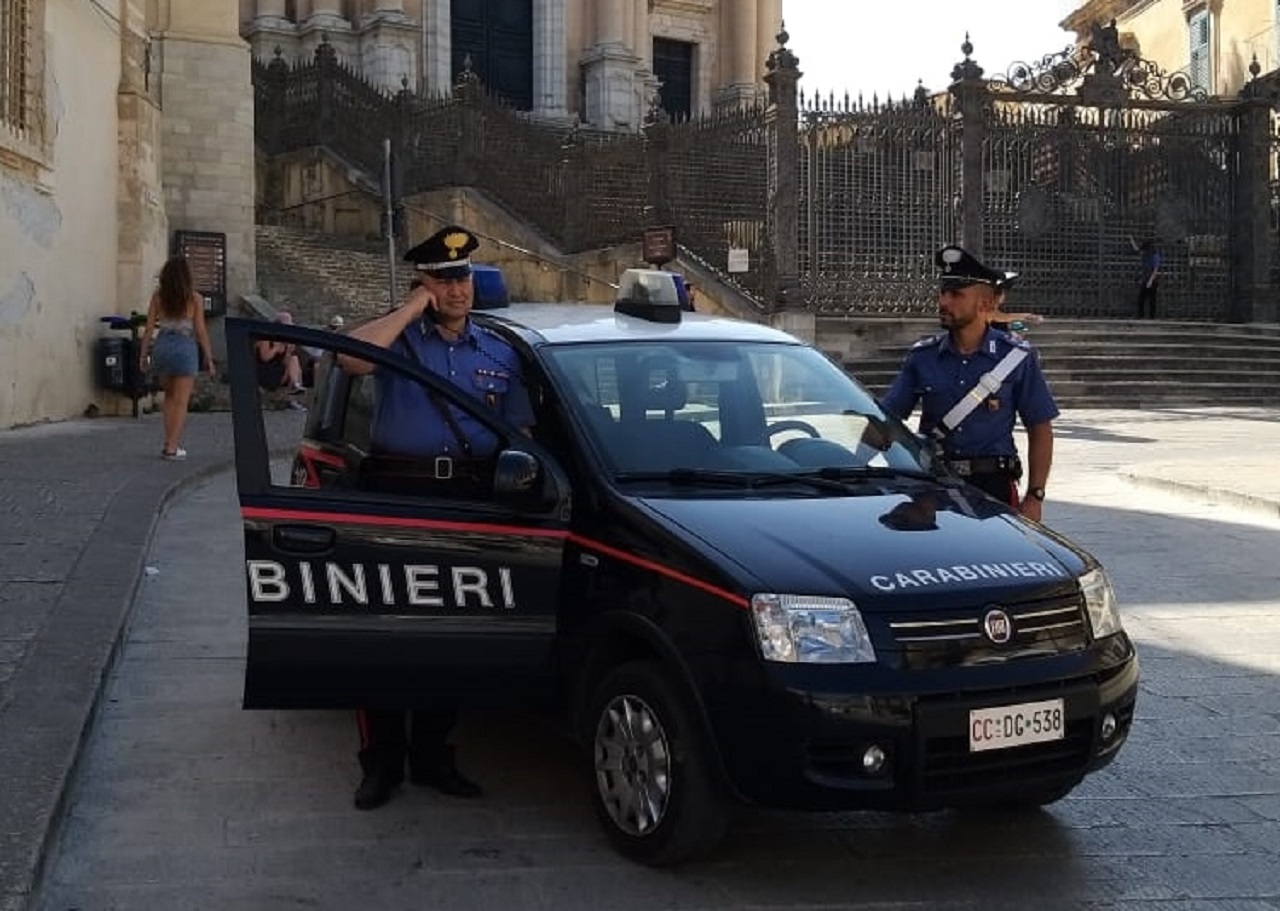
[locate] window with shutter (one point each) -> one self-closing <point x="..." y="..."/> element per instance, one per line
<point x="21" y="77"/>
<point x="1200" y="32"/>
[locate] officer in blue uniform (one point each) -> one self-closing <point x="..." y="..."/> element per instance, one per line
<point x="453" y="454"/>
<point x="972" y="381"/>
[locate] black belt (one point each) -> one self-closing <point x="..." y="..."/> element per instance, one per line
<point x="1009" y="466"/>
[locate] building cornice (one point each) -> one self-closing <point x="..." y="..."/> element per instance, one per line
<point x="1095" y="11"/>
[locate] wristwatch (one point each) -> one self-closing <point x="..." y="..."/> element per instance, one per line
<point x="1036" y="493"/>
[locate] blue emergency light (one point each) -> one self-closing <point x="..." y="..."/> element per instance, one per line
<point x="649" y="294"/>
<point x="490" y="288"/>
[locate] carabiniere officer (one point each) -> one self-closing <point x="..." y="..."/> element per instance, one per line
<point x="424" y="435"/>
<point x="971" y="381"/>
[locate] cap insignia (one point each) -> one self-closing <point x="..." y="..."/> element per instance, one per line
<point x="455" y="242"/>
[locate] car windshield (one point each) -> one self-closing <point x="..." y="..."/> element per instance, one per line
<point x="686" y="410"/>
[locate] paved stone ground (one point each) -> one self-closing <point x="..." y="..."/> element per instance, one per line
<point x="184" y="801"/>
<point x="78" y="504"/>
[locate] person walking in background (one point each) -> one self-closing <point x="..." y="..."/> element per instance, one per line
<point x="1150" y="280"/>
<point x="1012" y="323"/>
<point x="171" y="345"/>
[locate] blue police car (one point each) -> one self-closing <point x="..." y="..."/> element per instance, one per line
<point x="735" y="575"/>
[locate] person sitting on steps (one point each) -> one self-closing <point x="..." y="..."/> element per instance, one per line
<point x="278" y="363"/>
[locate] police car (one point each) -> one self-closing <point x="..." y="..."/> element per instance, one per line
<point x="734" y="574"/>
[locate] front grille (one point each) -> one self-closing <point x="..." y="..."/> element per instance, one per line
<point x="1045" y="626"/>
<point x="947" y="765"/>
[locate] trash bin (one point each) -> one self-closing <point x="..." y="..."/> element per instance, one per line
<point x="114" y="353"/>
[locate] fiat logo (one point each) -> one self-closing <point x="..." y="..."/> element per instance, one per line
<point x="997" y="626"/>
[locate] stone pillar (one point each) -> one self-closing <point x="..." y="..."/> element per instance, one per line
<point x="783" y="79"/>
<point x="326" y="21"/>
<point x="609" y="71"/>
<point x="271" y="29"/>
<point x="437" y="48"/>
<point x="142" y="237"/>
<point x="270" y="9"/>
<point x="550" y="83"/>
<point x="741" y="90"/>
<point x="1254" y="300"/>
<point x="388" y="44"/>
<point x="642" y="40"/>
<point x="206" y="133"/>
<point x="768" y="25"/>
<point x="971" y="96"/>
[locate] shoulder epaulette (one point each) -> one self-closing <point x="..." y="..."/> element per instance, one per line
<point x="929" y="341"/>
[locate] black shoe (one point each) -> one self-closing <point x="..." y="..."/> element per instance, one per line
<point x="441" y="773"/>
<point x="376" y="788"/>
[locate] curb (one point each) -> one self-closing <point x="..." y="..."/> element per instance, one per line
<point x="62" y="759"/>
<point x="1257" y="505"/>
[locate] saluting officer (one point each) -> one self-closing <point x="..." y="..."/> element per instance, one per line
<point x="972" y="380"/>
<point x="433" y="327"/>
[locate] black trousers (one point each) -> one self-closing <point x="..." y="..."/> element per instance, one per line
<point x="389" y="736"/>
<point x="1000" y="486"/>
<point x="1147" y="301"/>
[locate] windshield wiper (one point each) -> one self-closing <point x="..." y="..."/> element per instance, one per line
<point x="868" y="472"/>
<point x="748" y="480"/>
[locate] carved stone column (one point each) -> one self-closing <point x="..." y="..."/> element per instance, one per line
<point x="783" y="79"/>
<point x="741" y="87"/>
<point x="609" y="71"/>
<point x="550" y="82"/>
<point x="326" y="20"/>
<point x="270" y="29"/>
<point x="388" y="46"/>
<point x="642" y="41"/>
<point x="971" y="94"/>
<point x="768" y="25"/>
<point x="437" y="48"/>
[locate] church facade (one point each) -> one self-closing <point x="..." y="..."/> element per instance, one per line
<point x="606" y="62"/>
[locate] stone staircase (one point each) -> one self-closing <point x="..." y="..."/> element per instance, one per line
<point x="316" y="276"/>
<point x="1119" y="363"/>
<point x="1089" y="363"/>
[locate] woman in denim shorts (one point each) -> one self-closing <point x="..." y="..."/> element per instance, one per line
<point x="175" y="319"/>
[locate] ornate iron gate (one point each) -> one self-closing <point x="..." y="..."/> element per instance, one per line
<point x="1057" y="170"/>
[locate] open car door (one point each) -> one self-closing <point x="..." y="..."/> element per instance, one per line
<point x="385" y="595"/>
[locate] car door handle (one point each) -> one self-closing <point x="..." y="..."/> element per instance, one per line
<point x="303" y="539"/>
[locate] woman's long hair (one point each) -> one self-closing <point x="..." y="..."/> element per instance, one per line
<point x="175" y="288"/>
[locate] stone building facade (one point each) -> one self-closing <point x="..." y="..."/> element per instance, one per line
<point x="603" y="61"/>
<point x="121" y="121"/>
<point x="1213" y="41"/>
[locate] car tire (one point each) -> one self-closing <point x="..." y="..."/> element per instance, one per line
<point x="657" y="794"/>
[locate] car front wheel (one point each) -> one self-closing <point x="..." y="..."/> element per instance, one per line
<point x="657" y="795"/>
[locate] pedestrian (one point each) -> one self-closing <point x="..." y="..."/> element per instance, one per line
<point x="171" y="346"/>
<point x="971" y="382"/>
<point x="1149" y="281"/>
<point x="1012" y="323"/>
<point x="434" y="328"/>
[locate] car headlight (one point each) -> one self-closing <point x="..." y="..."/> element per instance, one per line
<point x="804" y="629"/>
<point x="1100" y="599"/>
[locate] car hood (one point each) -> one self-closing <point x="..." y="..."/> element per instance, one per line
<point x="879" y="548"/>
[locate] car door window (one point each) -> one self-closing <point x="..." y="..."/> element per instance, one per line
<point x="338" y="448"/>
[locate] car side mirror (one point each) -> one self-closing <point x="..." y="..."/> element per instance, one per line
<point x="516" y="474"/>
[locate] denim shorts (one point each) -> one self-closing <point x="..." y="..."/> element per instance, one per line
<point x="175" y="354"/>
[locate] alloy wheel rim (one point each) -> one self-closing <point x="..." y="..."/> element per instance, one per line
<point x="633" y="765"/>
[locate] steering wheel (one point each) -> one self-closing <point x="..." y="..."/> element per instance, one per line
<point x="783" y="426"/>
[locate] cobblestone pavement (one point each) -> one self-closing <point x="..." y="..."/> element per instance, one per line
<point x="182" y="800"/>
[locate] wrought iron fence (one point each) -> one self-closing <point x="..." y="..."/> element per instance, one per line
<point x="878" y="186"/>
<point x="1057" y="169"/>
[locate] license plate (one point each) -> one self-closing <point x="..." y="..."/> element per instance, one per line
<point x="1016" y="725"/>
